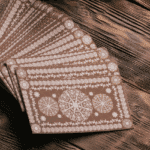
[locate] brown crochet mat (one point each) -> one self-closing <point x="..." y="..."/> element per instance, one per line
<point x="55" y="70"/>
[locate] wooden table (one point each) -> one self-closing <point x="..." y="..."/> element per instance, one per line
<point x="124" y="28"/>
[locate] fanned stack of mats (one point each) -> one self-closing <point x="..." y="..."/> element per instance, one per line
<point x="64" y="82"/>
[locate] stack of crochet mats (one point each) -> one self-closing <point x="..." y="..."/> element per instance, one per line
<point x="56" y="72"/>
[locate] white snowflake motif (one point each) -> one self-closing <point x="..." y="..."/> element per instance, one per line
<point x="108" y="90"/>
<point x="54" y="95"/>
<point x="21" y="73"/>
<point x="127" y="115"/>
<point x="24" y="84"/>
<point x="115" y="80"/>
<point x="44" y="130"/>
<point x="120" y="91"/>
<point x="119" y="87"/>
<point x="43" y="118"/>
<point x="103" y="53"/>
<point x="102" y="103"/>
<point x="36" y="128"/>
<point x="69" y="24"/>
<point x="36" y="94"/>
<point x="127" y="123"/>
<point x="59" y="116"/>
<point x="87" y="39"/>
<point x="114" y="114"/>
<point x="75" y="105"/>
<point x="96" y="114"/>
<point x="78" y="34"/>
<point x="112" y="66"/>
<point x="91" y="93"/>
<point x="93" y="46"/>
<point x="48" y="106"/>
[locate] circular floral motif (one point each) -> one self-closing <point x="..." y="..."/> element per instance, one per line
<point x="69" y="24"/>
<point x="75" y="105"/>
<point x="21" y="73"/>
<point x="115" y="126"/>
<point x="24" y="84"/>
<point x="54" y="95"/>
<point x="93" y="46"/>
<point x="111" y="126"/>
<point x="103" y="53"/>
<point x="119" y="87"/>
<point x="114" y="114"/>
<point x="43" y="118"/>
<point x="91" y="93"/>
<point x="102" y="103"/>
<point x="44" y="130"/>
<point x="115" y="80"/>
<point x="112" y="66"/>
<point x="127" y="123"/>
<point x="10" y="62"/>
<point x="108" y="90"/>
<point x="78" y="34"/>
<point x="36" y="128"/>
<point x="48" y="106"/>
<point x="127" y="115"/>
<point x="59" y="116"/>
<point x="87" y="39"/>
<point x="36" y="94"/>
<point x="96" y="114"/>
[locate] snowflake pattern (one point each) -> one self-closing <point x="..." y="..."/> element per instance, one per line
<point x="69" y="24"/>
<point x="48" y="106"/>
<point x="75" y="105"/>
<point x="59" y="116"/>
<point x="87" y="39"/>
<point x="78" y="34"/>
<point x="127" y="123"/>
<point x="36" y="128"/>
<point x="114" y="114"/>
<point x="43" y="118"/>
<point x="103" y="53"/>
<point x="102" y="103"/>
<point x="24" y="84"/>
<point x="36" y="94"/>
<point x="96" y="114"/>
<point x="115" y="80"/>
<point x="108" y="90"/>
<point x="54" y="95"/>
<point x="91" y="93"/>
<point x="93" y="46"/>
<point x="112" y="66"/>
<point x="21" y="73"/>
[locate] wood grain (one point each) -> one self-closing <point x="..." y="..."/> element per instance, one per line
<point x="123" y="27"/>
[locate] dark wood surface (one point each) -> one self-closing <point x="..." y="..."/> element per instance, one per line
<point x="124" y="28"/>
